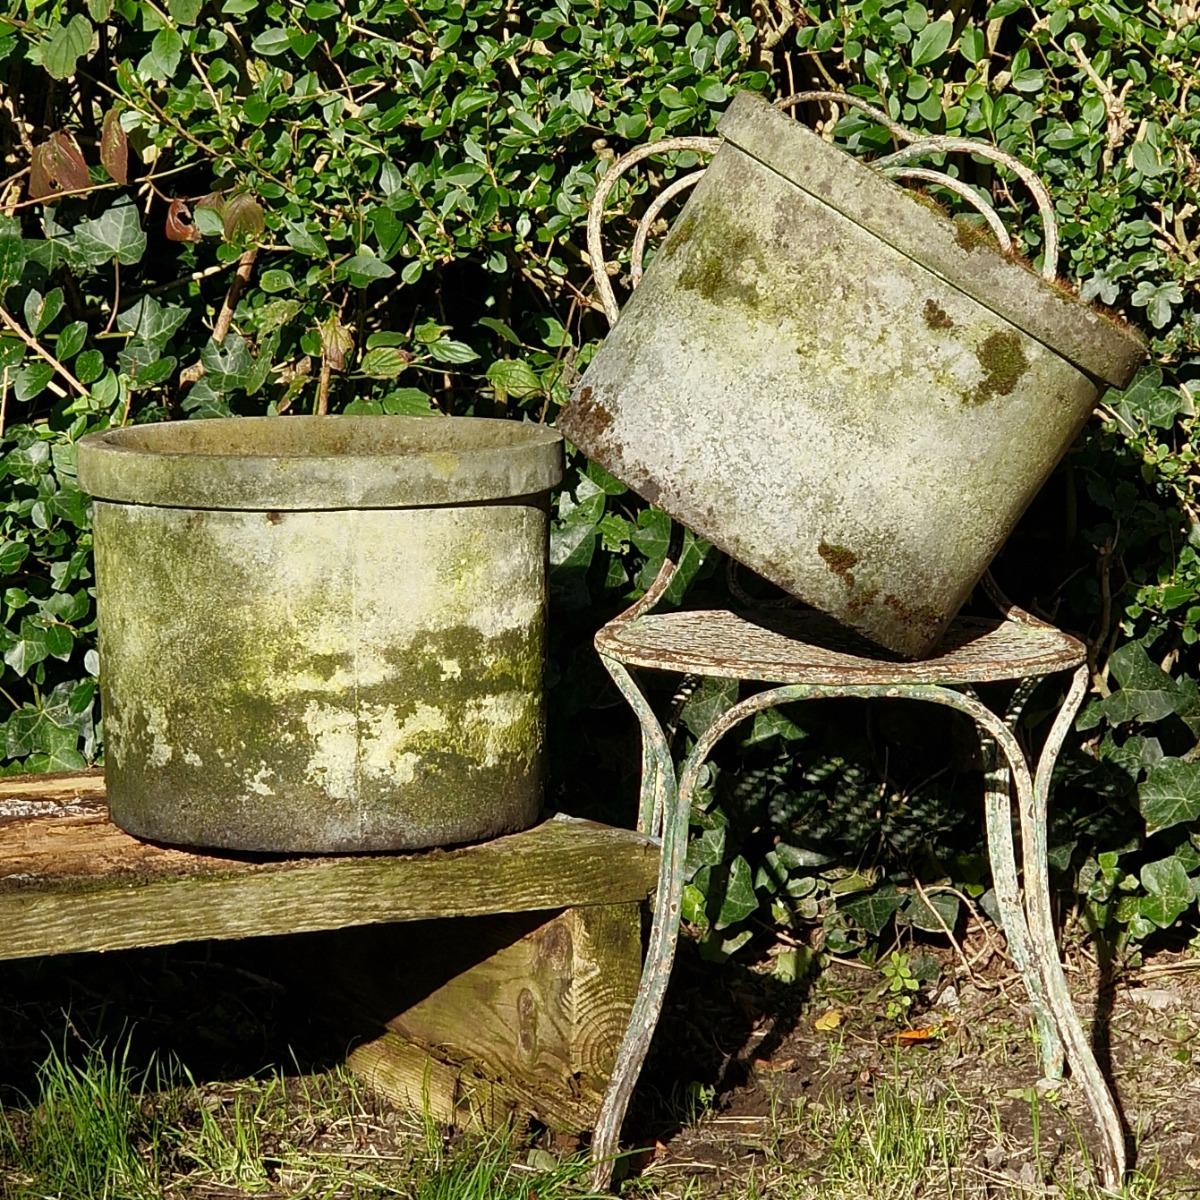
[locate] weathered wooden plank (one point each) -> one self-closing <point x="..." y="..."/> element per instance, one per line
<point x="71" y="881"/>
<point x="606" y="942"/>
<point x="410" y="1077"/>
<point x="534" y="1003"/>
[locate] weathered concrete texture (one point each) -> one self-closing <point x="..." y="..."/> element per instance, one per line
<point x="825" y="408"/>
<point x="321" y="680"/>
<point x="319" y="462"/>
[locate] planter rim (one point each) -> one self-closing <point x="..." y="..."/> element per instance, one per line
<point x="320" y="462"/>
<point x="1094" y="343"/>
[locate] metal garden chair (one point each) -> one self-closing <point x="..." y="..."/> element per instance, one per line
<point x="802" y="655"/>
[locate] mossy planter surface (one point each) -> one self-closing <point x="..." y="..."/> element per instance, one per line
<point x="322" y="633"/>
<point x="840" y="386"/>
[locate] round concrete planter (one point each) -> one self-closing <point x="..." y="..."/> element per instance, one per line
<point x="322" y="633"/>
<point x="840" y="386"/>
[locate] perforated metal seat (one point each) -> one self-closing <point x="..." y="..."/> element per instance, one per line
<point x="808" y="647"/>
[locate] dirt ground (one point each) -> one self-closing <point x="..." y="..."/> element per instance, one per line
<point x="833" y="1047"/>
<point x="744" y="1080"/>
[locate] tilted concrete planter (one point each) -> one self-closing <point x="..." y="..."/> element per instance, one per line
<point x="322" y="633"/>
<point x="840" y="386"/>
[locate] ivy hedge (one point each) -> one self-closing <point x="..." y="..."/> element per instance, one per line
<point x="215" y="207"/>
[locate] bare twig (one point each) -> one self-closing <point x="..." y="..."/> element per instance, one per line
<point x="241" y="277"/>
<point x="1119" y="123"/>
<point x="982" y="984"/>
<point x="237" y="285"/>
<point x="41" y="351"/>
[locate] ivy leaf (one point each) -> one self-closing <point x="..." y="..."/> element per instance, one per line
<point x="707" y="850"/>
<point x="58" y="760"/>
<point x="874" y="910"/>
<point x="12" y="254"/>
<point x="739" y="900"/>
<point x="12" y="555"/>
<point x="1158" y="300"/>
<point x="711" y="699"/>
<point x="66" y="46"/>
<point x="114" y="235"/>
<point x="38" y="641"/>
<point x="923" y="915"/>
<point x="1147" y="692"/>
<point x="931" y="43"/>
<point x="227" y="365"/>
<point x="1146" y="399"/>
<point x="1170" y="891"/>
<point x="151" y="322"/>
<point x="1170" y="794"/>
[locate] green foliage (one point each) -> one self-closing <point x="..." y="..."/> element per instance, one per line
<point x="218" y="207"/>
<point x="87" y="1135"/>
<point x="900" y="985"/>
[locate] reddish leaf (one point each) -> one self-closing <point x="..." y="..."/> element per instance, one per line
<point x="179" y="223"/>
<point x="114" y="147"/>
<point x="336" y="342"/>
<point x="243" y="217"/>
<point x="57" y="166"/>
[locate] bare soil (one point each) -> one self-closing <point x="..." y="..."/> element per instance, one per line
<point x="738" y="1080"/>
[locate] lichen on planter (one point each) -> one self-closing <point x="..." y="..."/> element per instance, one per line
<point x="305" y="674"/>
<point x="839" y="385"/>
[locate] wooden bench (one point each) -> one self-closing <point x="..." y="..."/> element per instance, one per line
<point x="505" y="991"/>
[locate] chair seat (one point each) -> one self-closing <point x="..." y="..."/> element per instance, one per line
<point x="808" y="647"/>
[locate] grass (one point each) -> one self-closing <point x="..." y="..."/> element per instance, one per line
<point x="100" y="1130"/>
<point x="906" y="1141"/>
<point x="87" y="1136"/>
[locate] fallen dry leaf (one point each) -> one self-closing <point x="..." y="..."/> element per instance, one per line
<point x="828" y="1021"/>
<point x="772" y="1066"/>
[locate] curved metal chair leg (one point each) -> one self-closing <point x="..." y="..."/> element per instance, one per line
<point x="1034" y="804"/>
<point x="998" y="812"/>
<point x="661" y="812"/>
<point x="656" y="972"/>
<point x="658" y="768"/>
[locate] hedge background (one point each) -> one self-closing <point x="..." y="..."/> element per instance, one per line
<point x="228" y="206"/>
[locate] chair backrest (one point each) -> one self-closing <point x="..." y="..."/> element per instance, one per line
<point x="895" y="165"/>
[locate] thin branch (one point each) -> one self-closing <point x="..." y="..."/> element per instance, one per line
<point x="225" y="317"/>
<point x="41" y="352"/>
<point x="241" y="277"/>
